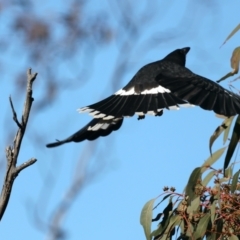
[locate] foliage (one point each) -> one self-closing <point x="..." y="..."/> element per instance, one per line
<point x="235" y="59"/>
<point x="225" y="127"/>
<point x="202" y="211"/>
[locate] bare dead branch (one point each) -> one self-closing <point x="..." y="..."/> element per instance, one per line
<point x="26" y="164"/>
<point x="12" y="152"/>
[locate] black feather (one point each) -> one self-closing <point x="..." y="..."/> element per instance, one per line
<point x="156" y="86"/>
<point x="85" y="134"/>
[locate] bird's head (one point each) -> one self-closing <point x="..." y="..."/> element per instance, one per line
<point x="178" y="56"/>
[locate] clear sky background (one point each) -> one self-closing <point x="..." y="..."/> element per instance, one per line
<point x="126" y="169"/>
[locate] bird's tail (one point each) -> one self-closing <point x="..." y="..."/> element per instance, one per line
<point x="93" y="130"/>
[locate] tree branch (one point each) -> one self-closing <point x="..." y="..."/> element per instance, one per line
<point x="12" y="152"/>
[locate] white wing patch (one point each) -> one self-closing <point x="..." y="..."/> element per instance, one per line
<point x="186" y="105"/>
<point x="97" y="114"/>
<point x="155" y="90"/>
<point x="174" y="107"/>
<point x="96" y="127"/>
<point x="93" y="113"/>
<point x="108" y="117"/>
<point x="103" y="125"/>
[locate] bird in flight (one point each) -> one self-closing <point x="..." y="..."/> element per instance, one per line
<point x="164" y="84"/>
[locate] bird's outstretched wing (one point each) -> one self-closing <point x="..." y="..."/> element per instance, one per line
<point x="201" y="91"/>
<point x="93" y="130"/>
<point x="144" y="94"/>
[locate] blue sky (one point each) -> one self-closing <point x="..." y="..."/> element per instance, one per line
<point x="131" y="166"/>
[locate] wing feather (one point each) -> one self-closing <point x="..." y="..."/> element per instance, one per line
<point x="201" y="91"/>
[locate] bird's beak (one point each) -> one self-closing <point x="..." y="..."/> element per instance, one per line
<point x="186" y="50"/>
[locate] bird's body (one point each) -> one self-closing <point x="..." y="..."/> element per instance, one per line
<point x="166" y="83"/>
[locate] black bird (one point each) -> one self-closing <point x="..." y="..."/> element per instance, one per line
<point x="166" y="83"/>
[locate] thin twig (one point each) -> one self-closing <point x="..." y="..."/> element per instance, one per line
<point x="12" y="152"/>
<point x="14" y="113"/>
<point x="26" y="164"/>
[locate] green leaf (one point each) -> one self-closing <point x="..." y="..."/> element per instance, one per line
<point x="202" y="226"/>
<point x="164" y="198"/>
<point x="181" y="226"/>
<point x="211" y="236"/>
<point x="194" y="205"/>
<point x="226" y="132"/>
<point x="233" y="237"/>
<point x="228" y="172"/>
<point x="223" y="127"/>
<point x="208" y="178"/>
<point x="217" y="196"/>
<point x="235" y="181"/>
<point x="172" y="221"/>
<point x="213" y="211"/>
<point x="162" y="226"/>
<point x="158" y="231"/>
<point x="193" y="179"/>
<point x="181" y="206"/>
<point x="224" y="179"/>
<point x="235" y="59"/>
<point x="190" y="230"/>
<point x="166" y="211"/>
<point x="232" y="33"/>
<point x="212" y="159"/>
<point x="230" y="74"/>
<point x="233" y="142"/>
<point x="146" y="218"/>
